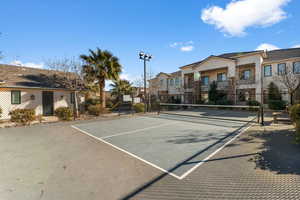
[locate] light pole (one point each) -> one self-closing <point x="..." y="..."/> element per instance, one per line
<point x="145" y="57"/>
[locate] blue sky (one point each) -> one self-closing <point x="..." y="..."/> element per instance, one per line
<point x="175" y="32"/>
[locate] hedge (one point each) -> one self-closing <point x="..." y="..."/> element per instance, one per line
<point x="294" y="112"/>
<point x="277" y="104"/>
<point x="23" y="116"/>
<point x="96" y="110"/>
<point x="139" y="107"/>
<point x="64" y="113"/>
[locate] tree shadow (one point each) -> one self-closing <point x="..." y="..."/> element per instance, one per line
<point x="193" y="138"/>
<point x="280" y="154"/>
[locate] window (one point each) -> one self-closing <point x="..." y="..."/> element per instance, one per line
<point x="205" y="80"/>
<point x="267" y="70"/>
<point x="72" y="96"/>
<point x="177" y="82"/>
<point x="15" y="97"/>
<point x="246" y="74"/>
<point x="221" y="77"/>
<point x="281" y="68"/>
<point x="296" y="67"/>
<point x="171" y="82"/>
<point x="161" y="82"/>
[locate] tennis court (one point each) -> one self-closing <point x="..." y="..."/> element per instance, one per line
<point x="175" y="143"/>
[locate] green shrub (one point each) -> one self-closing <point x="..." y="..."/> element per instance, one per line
<point x="139" y="107"/>
<point x="0" y="111"/>
<point x="109" y="104"/>
<point x="277" y="104"/>
<point x="253" y="103"/>
<point x="155" y="106"/>
<point x="64" y="113"/>
<point x="23" y="116"/>
<point x="96" y="110"/>
<point x="224" y="102"/>
<point x="297" y="134"/>
<point x="294" y="112"/>
<point x="273" y="92"/>
<point x="91" y="101"/>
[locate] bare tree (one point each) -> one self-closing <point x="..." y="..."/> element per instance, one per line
<point x="69" y="68"/>
<point x="68" y="73"/>
<point x="290" y="80"/>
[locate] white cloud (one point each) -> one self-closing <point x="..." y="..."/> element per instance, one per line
<point x="28" y="64"/>
<point x="187" y="48"/>
<point x="266" y="46"/>
<point x="296" y="46"/>
<point x="175" y="44"/>
<point x="241" y="14"/>
<point x="183" y="46"/>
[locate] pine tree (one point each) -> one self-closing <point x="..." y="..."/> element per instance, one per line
<point x="213" y="92"/>
<point x="273" y="92"/>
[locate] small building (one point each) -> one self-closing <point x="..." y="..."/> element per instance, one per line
<point x="38" y="89"/>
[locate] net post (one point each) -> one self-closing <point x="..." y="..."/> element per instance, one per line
<point x="258" y="115"/>
<point x="262" y="115"/>
<point x="132" y="102"/>
<point x="119" y="109"/>
<point x="158" y="111"/>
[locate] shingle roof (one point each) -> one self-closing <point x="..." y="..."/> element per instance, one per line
<point x="25" y="77"/>
<point x="231" y="55"/>
<point x="282" y="54"/>
<point x="177" y="73"/>
<point x="273" y="55"/>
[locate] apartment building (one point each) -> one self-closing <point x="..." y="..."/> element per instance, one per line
<point x="167" y="87"/>
<point x="243" y="76"/>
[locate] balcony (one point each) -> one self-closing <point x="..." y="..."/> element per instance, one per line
<point x="222" y="85"/>
<point x="246" y="82"/>
<point x="188" y="85"/>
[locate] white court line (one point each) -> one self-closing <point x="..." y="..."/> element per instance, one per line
<point x="131" y="154"/>
<point x="157" y="167"/>
<point x="138" y="130"/>
<point x="214" y="153"/>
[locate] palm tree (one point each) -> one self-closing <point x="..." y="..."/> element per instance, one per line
<point x="121" y="87"/>
<point x="99" y="67"/>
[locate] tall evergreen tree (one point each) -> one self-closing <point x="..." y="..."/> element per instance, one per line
<point x="213" y="92"/>
<point x="273" y="92"/>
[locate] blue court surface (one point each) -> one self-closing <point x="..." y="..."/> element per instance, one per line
<point x="172" y="144"/>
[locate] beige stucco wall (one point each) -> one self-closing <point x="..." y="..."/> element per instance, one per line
<point x="164" y="86"/>
<point x="274" y="78"/>
<point x="61" y="99"/>
<point x="213" y="74"/>
<point x="216" y="63"/>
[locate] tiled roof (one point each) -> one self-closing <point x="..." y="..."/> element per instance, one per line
<point x="25" y="77"/>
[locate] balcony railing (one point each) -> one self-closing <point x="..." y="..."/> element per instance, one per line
<point x="246" y="82"/>
<point x="188" y="85"/>
<point x="221" y="85"/>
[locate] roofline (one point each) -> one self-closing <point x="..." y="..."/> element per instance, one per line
<point x="39" y="69"/>
<point x="281" y="60"/>
<point x="40" y="88"/>
<point x="221" y="57"/>
<point x="249" y="54"/>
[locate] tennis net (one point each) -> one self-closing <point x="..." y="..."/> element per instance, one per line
<point x="217" y="112"/>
